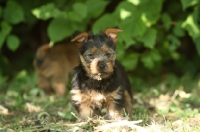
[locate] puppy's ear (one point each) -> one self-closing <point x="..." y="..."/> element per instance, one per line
<point x="80" y="39"/>
<point x="112" y="33"/>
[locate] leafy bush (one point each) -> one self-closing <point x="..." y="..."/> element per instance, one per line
<point x="155" y="38"/>
<point x="12" y="14"/>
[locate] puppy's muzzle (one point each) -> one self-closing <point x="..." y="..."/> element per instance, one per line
<point x="101" y="65"/>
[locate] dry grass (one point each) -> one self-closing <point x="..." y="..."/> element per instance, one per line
<point x="159" y="109"/>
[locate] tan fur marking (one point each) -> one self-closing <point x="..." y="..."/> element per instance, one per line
<point x="104" y="48"/>
<point x="76" y="96"/>
<point x="115" y="94"/>
<point x="92" y="99"/>
<point x="88" y="102"/>
<point x="59" y="87"/>
<point x="43" y="82"/>
<point x="111" y="110"/>
<point x="80" y="39"/>
<point x="85" y="111"/>
<point x="84" y="64"/>
<point x="109" y="67"/>
<point x="93" y="66"/>
<point x="93" y="50"/>
<point x="128" y="104"/>
<point x="112" y="33"/>
<point x="110" y="104"/>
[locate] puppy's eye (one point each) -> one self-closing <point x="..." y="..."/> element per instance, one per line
<point x="108" y="54"/>
<point x="90" y="56"/>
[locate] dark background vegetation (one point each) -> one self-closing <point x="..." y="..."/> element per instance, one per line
<point x="160" y="38"/>
<point x="159" y="47"/>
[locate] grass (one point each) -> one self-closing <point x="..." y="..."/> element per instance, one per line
<point x="171" y="105"/>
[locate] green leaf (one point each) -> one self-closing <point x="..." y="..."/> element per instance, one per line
<point x="166" y="19"/>
<point x="125" y="5"/>
<point x="188" y="3"/>
<point x="12" y="42"/>
<point x="178" y="30"/>
<point x="59" y="28"/>
<point x="80" y="9"/>
<point x="134" y="2"/>
<point x="192" y="26"/>
<point x="104" y="22"/>
<point x="78" y="13"/>
<point x="150" y="58"/>
<point x="13" y="12"/>
<point x="151" y="10"/>
<point x="130" y="62"/>
<point x="95" y="9"/>
<point x="149" y="38"/>
<point x="175" y="42"/>
<point x="139" y="28"/>
<point x="48" y="11"/>
<point x="74" y="16"/>
<point x="124" y="14"/>
<point x="147" y="61"/>
<point x="136" y="27"/>
<point x="120" y="51"/>
<point x="130" y="42"/>
<point x="155" y="55"/>
<point x="5" y="30"/>
<point x="126" y="9"/>
<point x="127" y="38"/>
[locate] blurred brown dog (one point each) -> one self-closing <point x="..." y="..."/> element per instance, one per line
<point x="54" y="64"/>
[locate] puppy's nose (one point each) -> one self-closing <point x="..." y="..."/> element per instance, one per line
<point x="101" y="65"/>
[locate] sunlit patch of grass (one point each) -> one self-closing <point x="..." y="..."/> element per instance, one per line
<point x="141" y="114"/>
<point x="177" y="126"/>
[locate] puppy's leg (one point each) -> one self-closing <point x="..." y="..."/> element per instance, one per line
<point x="85" y="111"/>
<point x="128" y="104"/>
<point x="44" y="83"/>
<point x="61" y="78"/>
<point x="59" y="86"/>
<point x="113" y="112"/>
<point x="115" y="104"/>
<point x="82" y="103"/>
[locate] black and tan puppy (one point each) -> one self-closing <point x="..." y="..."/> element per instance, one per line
<point x="100" y="81"/>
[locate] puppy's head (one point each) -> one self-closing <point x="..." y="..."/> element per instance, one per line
<point x="97" y="52"/>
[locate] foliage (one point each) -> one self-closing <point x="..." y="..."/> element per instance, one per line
<point x="158" y="36"/>
<point x="12" y="14"/>
<point x="70" y="19"/>
<point x="153" y="31"/>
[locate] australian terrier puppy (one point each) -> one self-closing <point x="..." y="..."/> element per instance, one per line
<point x="54" y="64"/>
<point x="100" y="81"/>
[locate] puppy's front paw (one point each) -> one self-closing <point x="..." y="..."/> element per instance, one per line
<point x="112" y="117"/>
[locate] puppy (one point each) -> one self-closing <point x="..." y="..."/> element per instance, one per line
<point x="100" y="81"/>
<point x="53" y="66"/>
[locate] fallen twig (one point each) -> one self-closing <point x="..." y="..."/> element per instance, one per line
<point x="120" y="125"/>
